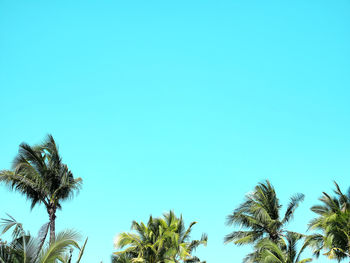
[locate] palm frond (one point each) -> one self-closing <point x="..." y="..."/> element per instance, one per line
<point x="293" y="204"/>
<point x="81" y="252"/>
<point x="63" y="242"/>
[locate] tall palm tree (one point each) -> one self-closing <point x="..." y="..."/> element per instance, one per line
<point x="259" y="217"/>
<point x="285" y="252"/>
<point x="161" y="240"/>
<point x="333" y="224"/>
<point x="39" y="174"/>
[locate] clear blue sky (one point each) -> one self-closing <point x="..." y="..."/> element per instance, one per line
<point x="181" y="105"/>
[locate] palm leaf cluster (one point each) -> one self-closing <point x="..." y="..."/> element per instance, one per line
<point x="259" y="216"/>
<point x="332" y="225"/>
<point x="39" y="174"/>
<point x="261" y="225"/>
<point x="161" y="240"/>
<point x="286" y="251"/>
<point x="25" y="248"/>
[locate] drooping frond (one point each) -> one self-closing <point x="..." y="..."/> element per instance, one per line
<point x="284" y="251"/>
<point x="243" y="237"/>
<point x="8" y="223"/>
<point x="127" y="239"/>
<point x="28" y="184"/>
<point x="293" y="204"/>
<point x="63" y="242"/>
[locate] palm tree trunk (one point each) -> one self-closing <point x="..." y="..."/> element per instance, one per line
<point x="42" y="241"/>
<point x="52" y="216"/>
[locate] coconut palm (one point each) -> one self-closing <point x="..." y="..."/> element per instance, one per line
<point x="22" y="248"/>
<point x="333" y="225"/>
<point x="285" y="252"/>
<point x="161" y="240"/>
<point x="39" y="174"/>
<point x="259" y="217"/>
<point x="25" y="248"/>
<point x="179" y="245"/>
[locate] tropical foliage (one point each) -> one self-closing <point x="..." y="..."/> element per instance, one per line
<point x="284" y="252"/>
<point x="333" y="225"/>
<point x="39" y="174"/>
<point x="160" y="240"/>
<point x="25" y="248"/>
<point x="259" y="217"/>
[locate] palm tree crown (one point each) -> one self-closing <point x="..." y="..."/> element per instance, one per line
<point x="259" y="217"/>
<point x="333" y="223"/>
<point x="39" y="174"/>
<point x="161" y="240"/>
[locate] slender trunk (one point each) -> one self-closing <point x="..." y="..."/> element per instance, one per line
<point x="42" y="241"/>
<point x="52" y="216"/>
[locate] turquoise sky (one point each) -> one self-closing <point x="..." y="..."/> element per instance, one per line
<point x="181" y="105"/>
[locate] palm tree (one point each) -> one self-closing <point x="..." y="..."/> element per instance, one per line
<point x="259" y="217"/>
<point x="25" y="248"/>
<point x="139" y="246"/>
<point x="179" y="245"/>
<point x="285" y="252"/>
<point x="39" y="174"/>
<point x="333" y="223"/>
<point x="161" y="240"/>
